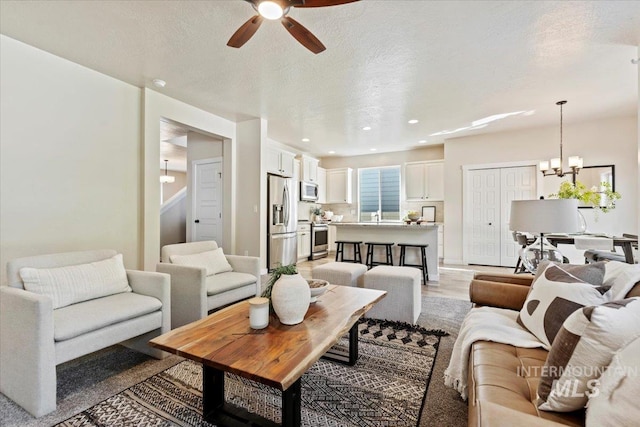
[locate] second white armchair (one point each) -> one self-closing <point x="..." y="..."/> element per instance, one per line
<point x="200" y="284"/>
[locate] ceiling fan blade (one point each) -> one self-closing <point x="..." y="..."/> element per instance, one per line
<point x="245" y="32"/>
<point x="303" y="35"/>
<point x="322" y="3"/>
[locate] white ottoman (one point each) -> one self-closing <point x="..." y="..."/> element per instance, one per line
<point x="403" y="302"/>
<point x="339" y="273"/>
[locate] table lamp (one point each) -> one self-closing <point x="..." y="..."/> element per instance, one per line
<point x="539" y="217"/>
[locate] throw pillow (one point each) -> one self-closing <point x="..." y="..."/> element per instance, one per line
<point x="615" y="402"/>
<point x="213" y="261"/>
<point x="621" y="278"/>
<point x="553" y="297"/>
<point x="591" y="273"/>
<point x="76" y="283"/>
<point x="582" y="351"/>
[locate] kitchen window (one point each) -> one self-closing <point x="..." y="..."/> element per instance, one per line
<point x="379" y="194"/>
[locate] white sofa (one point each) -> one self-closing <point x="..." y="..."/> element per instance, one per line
<point x="35" y="337"/>
<point x="194" y="294"/>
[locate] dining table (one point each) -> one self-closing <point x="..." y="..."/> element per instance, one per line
<point x="626" y="243"/>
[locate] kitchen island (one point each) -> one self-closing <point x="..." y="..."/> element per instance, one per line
<point x="394" y="232"/>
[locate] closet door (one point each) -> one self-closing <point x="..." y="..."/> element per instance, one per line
<point x="491" y="191"/>
<point x="515" y="184"/>
<point x="484" y="242"/>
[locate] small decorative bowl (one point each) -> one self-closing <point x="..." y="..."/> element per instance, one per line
<point x="413" y="217"/>
<point x="318" y="287"/>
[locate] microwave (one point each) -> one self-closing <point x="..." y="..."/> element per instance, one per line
<point x="308" y="191"/>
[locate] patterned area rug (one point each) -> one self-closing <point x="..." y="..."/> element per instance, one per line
<point x="386" y="387"/>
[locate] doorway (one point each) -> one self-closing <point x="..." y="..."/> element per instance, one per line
<point x="488" y="195"/>
<point x="191" y="184"/>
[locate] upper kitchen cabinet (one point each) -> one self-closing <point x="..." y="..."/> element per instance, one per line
<point x="309" y="169"/>
<point x="322" y="185"/>
<point x="280" y="162"/>
<point x="339" y="185"/>
<point x="424" y="180"/>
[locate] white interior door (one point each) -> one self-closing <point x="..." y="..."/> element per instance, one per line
<point x="518" y="183"/>
<point x="207" y="201"/>
<point x="484" y="239"/>
<point x="490" y="192"/>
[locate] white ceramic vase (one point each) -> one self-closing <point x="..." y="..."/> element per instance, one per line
<point x="290" y="298"/>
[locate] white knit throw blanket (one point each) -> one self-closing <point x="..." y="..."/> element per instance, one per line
<point x="484" y="324"/>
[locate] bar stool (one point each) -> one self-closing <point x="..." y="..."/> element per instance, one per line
<point x="389" y="255"/>
<point x="423" y="256"/>
<point x="357" y="256"/>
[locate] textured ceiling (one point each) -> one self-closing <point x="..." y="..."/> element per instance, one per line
<point x="444" y="63"/>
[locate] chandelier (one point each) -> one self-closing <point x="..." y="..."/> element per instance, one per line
<point x="555" y="164"/>
<point x="166" y="178"/>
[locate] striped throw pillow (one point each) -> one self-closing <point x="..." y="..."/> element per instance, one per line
<point x="76" y="283"/>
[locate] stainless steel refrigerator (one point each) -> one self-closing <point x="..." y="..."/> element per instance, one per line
<point x="282" y="222"/>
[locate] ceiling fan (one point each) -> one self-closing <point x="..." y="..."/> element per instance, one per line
<point x="278" y="9"/>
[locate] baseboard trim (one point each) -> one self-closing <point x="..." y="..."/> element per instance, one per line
<point x="453" y="261"/>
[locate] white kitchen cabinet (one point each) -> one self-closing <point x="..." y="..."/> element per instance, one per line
<point x="339" y="185"/>
<point x="304" y="241"/>
<point x="322" y="185"/>
<point x="440" y="241"/>
<point x="424" y="181"/>
<point x="279" y="162"/>
<point x="309" y="169"/>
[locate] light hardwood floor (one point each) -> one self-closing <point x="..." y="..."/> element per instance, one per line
<point x="454" y="279"/>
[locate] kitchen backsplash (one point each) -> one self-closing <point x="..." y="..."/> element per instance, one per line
<point x="305" y="209"/>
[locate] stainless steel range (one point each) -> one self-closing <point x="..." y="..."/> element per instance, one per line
<point x="319" y="240"/>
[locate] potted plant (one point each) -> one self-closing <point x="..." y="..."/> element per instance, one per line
<point x="602" y="199"/>
<point x="289" y="293"/>
<point x="316" y="212"/>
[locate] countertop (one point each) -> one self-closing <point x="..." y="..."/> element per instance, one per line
<point x="412" y="226"/>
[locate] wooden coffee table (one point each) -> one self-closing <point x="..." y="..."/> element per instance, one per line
<point x="277" y="356"/>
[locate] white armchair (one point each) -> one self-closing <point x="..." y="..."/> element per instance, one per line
<point x="194" y="294"/>
<point x="35" y="337"/>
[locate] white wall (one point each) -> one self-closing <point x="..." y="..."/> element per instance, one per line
<point x="173" y="217"/>
<point x="171" y="188"/>
<point x="251" y="216"/>
<point x="70" y="159"/>
<point x="599" y="142"/>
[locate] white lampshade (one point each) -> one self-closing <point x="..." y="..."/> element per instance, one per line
<point x="544" y="216"/>
<point x="167" y="179"/>
<point x="556" y="163"/>
<point x="575" y="162"/>
<point x="544" y="166"/>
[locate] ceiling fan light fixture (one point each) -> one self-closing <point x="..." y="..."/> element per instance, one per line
<point x="270" y="10"/>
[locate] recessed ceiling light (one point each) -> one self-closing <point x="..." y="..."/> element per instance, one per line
<point x="332" y="152"/>
<point x="305" y="140"/>
<point x="159" y="83"/>
<point x="366" y="128"/>
<point x="373" y="149"/>
<point x="413" y="121"/>
<point x="422" y="141"/>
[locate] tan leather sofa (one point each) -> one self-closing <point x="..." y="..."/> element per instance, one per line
<point x="498" y="395"/>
